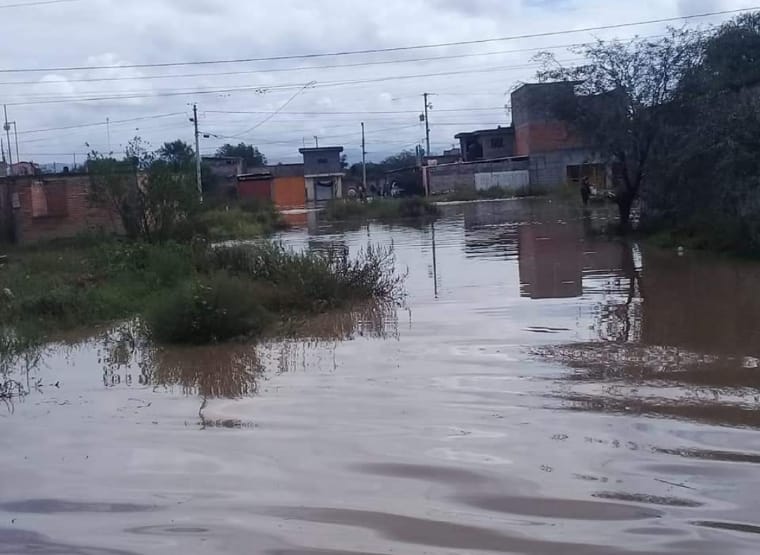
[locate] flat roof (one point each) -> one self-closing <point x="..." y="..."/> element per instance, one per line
<point x="321" y="149"/>
<point x="494" y="131"/>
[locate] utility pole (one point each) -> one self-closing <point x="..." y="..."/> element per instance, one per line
<point x="316" y="141"/>
<point x="197" y="152"/>
<point x="427" y="125"/>
<point x="8" y="139"/>
<point x="2" y="153"/>
<point x="364" y="160"/>
<point x="108" y="134"/>
<point x="15" y="136"/>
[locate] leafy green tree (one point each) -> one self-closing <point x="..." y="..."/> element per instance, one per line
<point x="152" y="194"/>
<point x="178" y="153"/>
<point x="404" y="159"/>
<point x="620" y="109"/>
<point x="113" y="185"/>
<point x="251" y="155"/>
<point x="707" y="181"/>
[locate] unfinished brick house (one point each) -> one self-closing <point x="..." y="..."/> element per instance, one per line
<point x="43" y="207"/>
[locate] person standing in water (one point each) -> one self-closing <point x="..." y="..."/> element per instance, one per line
<point x="585" y="191"/>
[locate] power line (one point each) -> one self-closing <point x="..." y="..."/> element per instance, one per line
<point x="385" y="50"/>
<point x="358" y="112"/>
<point x="40" y="3"/>
<point x="280" y="108"/>
<point x="303" y="68"/>
<point x="262" y="89"/>
<point x="168" y="93"/>
<point x="100" y="123"/>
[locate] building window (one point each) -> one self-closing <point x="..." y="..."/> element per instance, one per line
<point x="497" y="142"/>
<point x="322" y="161"/>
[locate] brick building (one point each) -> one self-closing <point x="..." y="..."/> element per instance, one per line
<point x="539" y="151"/>
<point x="44" y="207"/>
<point x="557" y="154"/>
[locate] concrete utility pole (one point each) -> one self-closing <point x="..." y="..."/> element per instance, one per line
<point x="427" y="124"/>
<point x="7" y="128"/>
<point x="364" y="160"/>
<point x="2" y="157"/>
<point x="197" y="153"/>
<point x="15" y="136"/>
<point x="108" y="134"/>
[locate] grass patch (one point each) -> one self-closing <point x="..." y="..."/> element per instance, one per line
<point x="247" y="219"/>
<point x="78" y="285"/>
<point x="245" y="290"/>
<point x="383" y="209"/>
<point x="187" y="293"/>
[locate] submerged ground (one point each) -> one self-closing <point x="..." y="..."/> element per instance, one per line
<point x="542" y="390"/>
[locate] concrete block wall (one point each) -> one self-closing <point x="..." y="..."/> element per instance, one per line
<point x="450" y="177"/>
<point x="549" y="170"/>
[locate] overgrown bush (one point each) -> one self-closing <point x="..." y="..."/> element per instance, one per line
<point x="244" y="220"/>
<point x="312" y="280"/>
<point x="210" y="309"/>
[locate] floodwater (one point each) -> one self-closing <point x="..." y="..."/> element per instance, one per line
<point x="542" y="390"/>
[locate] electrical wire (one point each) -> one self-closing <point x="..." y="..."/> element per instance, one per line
<point x="40" y="3"/>
<point x="389" y="49"/>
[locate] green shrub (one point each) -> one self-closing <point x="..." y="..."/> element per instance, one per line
<point x="248" y="219"/>
<point x="311" y="280"/>
<point x="209" y="310"/>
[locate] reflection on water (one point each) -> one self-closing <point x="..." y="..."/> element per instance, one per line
<point x="423" y="429"/>
<point x="232" y="370"/>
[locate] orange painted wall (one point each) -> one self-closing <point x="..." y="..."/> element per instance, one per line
<point x="288" y="192"/>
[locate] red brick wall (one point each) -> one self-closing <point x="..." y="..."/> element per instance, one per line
<point x="72" y="214"/>
<point x="532" y="138"/>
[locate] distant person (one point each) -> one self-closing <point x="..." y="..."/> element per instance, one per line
<point x="585" y="191"/>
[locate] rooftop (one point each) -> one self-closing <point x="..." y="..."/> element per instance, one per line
<point x="497" y="131"/>
<point x="321" y="149"/>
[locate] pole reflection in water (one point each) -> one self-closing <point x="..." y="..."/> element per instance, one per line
<point x="435" y="260"/>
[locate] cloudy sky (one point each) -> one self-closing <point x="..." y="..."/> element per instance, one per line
<point x="282" y="104"/>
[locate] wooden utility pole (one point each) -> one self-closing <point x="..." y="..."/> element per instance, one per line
<point x="197" y="153"/>
<point x="364" y="161"/>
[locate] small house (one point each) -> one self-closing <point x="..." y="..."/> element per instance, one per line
<point x="323" y="172"/>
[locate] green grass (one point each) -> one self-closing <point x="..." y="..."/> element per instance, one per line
<point x="78" y="285"/>
<point x="240" y="220"/>
<point x="383" y="209"/>
<point x="187" y="293"/>
<point x="245" y="290"/>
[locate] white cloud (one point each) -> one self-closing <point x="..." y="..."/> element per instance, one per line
<point x="111" y="32"/>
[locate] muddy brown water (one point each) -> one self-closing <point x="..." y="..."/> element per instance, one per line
<point x="543" y="390"/>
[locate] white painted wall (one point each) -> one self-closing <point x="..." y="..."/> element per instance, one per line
<point x="512" y="180"/>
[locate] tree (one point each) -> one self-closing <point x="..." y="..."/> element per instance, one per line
<point x="177" y="153"/>
<point x="113" y="185"/>
<point x="707" y="182"/>
<point x="404" y="159"/>
<point x="151" y="195"/>
<point x="251" y="155"/>
<point x="623" y="92"/>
